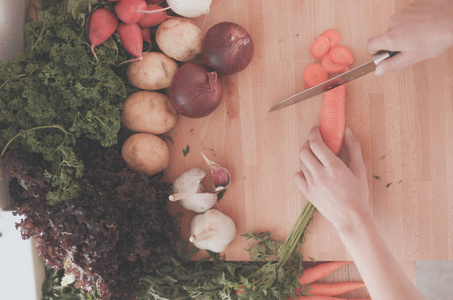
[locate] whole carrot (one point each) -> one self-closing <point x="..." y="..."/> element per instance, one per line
<point x="323" y="298"/>
<point x="334" y="289"/>
<point x="332" y="122"/>
<point x="321" y="270"/>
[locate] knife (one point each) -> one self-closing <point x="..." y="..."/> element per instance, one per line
<point x="336" y="81"/>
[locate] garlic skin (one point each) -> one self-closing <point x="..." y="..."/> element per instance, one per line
<point x="212" y="231"/>
<point x="188" y="190"/>
<point x="190" y="8"/>
<point x="221" y="177"/>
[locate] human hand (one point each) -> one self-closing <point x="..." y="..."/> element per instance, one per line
<point x="422" y="30"/>
<point x="338" y="191"/>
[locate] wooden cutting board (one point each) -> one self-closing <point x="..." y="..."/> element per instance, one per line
<point x="404" y="122"/>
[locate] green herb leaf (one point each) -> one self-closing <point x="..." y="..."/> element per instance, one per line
<point x="377" y="177"/>
<point x="186" y="151"/>
<point x="388" y="184"/>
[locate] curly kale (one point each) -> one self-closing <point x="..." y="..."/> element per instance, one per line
<point x="56" y="92"/>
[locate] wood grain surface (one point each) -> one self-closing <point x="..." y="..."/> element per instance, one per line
<point x="404" y="122"/>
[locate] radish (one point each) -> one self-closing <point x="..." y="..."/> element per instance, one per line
<point x="130" y="11"/>
<point x="103" y="24"/>
<point x="146" y="34"/>
<point x="132" y="39"/>
<point x="154" y="16"/>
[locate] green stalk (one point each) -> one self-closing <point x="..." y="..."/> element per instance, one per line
<point x="294" y="238"/>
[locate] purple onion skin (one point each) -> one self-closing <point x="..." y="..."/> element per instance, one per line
<point x="195" y="91"/>
<point x="227" y="48"/>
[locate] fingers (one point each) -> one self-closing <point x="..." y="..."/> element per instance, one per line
<point x="320" y="149"/>
<point x="395" y="63"/>
<point x="301" y="182"/>
<point x="309" y="159"/>
<point x="381" y="42"/>
<point x="356" y="163"/>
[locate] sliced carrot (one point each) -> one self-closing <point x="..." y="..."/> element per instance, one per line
<point x="332" y="122"/>
<point x="334" y="289"/>
<point x="341" y="55"/>
<point x="323" y="298"/>
<point x="320" y="47"/>
<point x="314" y="74"/>
<point x="333" y="36"/>
<point x="329" y="66"/>
<point x="321" y="270"/>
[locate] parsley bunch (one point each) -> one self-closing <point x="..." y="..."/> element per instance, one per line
<point x="56" y="92"/>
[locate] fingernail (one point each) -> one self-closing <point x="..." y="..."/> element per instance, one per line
<point x="348" y="131"/>
<point x="379" y="71"/>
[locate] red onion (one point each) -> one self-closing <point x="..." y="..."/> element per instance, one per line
<point x="195" y="91"/>
<point x="227" y="48"/>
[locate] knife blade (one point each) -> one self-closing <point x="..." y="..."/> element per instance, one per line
<point x="335" y="81"/>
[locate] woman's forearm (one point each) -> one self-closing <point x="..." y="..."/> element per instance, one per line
<point x="383" y="276"/>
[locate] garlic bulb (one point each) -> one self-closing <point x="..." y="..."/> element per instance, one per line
<point x="221" y="177"/>
<point x="212" y="231"/>
<point x="188" y="190"/>
<point x="190" y="8"/>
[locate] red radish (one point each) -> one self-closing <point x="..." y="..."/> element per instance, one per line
<point x="341" y="55"/>
<point x="132" y="39"/>
<point x="146" y="34"/>
<point x="130" y="11"/>
<point x="329" y="66"/>
<point x="314" y="74"/>
<point x="153" y="19"/>
<point x="103" y="24"/>
<point x="320" y="47"/>
<point x="333" y="36"/>
<point x="332" y="121"/>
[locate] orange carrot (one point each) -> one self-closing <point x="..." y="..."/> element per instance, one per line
<point x="329" y="66"/>
<point x="332" y="122"/>
<point x="321" y="270"/>
<point x="333" y="36"/>
<point x="320" y="47"/>
<point x="314" y="74"/>
<point x="323" y="298"/>
<point x="341" y="55"/>
<point x="334" y="289"/>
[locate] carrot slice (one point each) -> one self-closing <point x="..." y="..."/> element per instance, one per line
<point x="332" y="122"/>
<point x="314" y="74"/>
<point x="341" y="55"/>
<point x="334" y="289"/>
<point x="320" y="47"/>
<point x="329" y="66"/>
<point x="333" y="36"/>
<point x="321" y="270"/>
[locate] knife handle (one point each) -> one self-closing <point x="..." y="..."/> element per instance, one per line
<point x="381" y="55"/>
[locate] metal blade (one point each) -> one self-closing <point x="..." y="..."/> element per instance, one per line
<point x="327" y="85"/>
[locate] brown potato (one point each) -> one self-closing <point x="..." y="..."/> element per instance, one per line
<point x="145" y="153"/>
<point x="179" y="39"/>
<point x="154" y="72"/>
<point x="148" y="111"/>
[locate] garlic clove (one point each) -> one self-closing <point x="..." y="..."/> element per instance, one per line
<point x="221" y="177"/>
<point x="212" y="231"/>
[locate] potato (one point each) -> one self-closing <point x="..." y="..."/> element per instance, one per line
<point x="154" y="72"/>
<point x="150" y="112"/>
<point x="145" y="153"/>
<point x="179" y="38"/>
